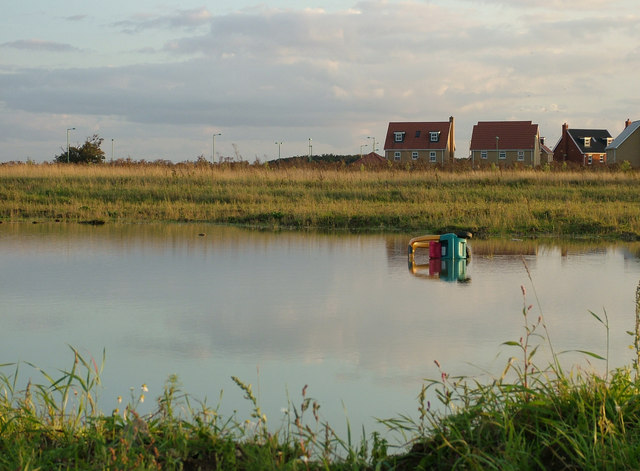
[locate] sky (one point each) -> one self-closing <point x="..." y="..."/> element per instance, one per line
<point x="158" y="79"/>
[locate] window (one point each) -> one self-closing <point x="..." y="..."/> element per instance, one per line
<point x="502" y="155"/>
<point x="434" y="136"/>
<point x="609" y="140"/>
<point x="432" y="156"/>
<point x="589" y="159"/>
<point x="483" y="154"/>
<point x="587" y="142"/>
<point x="414" y="155"/>
<point x="521" y="155"/>
<point x="418" y="133"/>
<point x="396" y="156"/>
<point x="601" y="158"/>
<point x="398" y="136"/>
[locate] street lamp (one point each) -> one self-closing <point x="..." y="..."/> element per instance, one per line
<point x="361" y="146"/>
<point x="213" y="147"/>
<point x="279" y="144"/>
<point x="112" y="150"/>
<point x="374" y="143"/>
<point x="497" y="148"/>
<point x="68" y="129"/>
<point x="310" y="150"/>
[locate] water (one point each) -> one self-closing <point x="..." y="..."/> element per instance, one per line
<point x="343" y="314"/>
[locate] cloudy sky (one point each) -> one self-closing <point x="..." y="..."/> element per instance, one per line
<point x="160" y="78"/>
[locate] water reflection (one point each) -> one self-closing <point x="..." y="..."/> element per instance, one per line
<point x="439" y="269"/>
<point x="338" y="312"/>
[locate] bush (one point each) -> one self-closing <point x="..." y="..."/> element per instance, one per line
<point x="88" y="153"/>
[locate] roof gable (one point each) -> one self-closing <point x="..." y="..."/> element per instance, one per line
<point x="372" y="158"/>
<point x="417" y="135"/>
<point x="626" y="132"/>
<point x="597" y="139"/>
<point x="507" y="135"/>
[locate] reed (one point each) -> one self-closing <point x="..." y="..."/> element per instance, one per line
<point x="529" y="417"/>
<point x="55" y="425"/>
<point x="489" y="203"/>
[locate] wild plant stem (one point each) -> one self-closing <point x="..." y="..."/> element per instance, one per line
<point x="556" y="362"/>
<point x="636" y="338"/>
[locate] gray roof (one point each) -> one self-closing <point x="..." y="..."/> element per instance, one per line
<point x="598" y="139"/>
<point x="626" y="132"/>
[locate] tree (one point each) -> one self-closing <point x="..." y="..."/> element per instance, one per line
<point x="88" y="153"/>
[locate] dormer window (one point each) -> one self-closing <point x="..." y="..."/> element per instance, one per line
<point x="434" y="136"/>
<point x="398" y="136"/>
<point x="609" y="140"/>
<point x="587" y="141"/>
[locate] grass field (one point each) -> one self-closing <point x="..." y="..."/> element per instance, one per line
<point x="490" y="203"/>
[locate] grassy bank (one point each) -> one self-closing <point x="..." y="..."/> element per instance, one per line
<point x="489" y="203"/>
<point x="528" y="418"/>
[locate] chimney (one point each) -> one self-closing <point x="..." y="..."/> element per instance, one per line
<point x="565" y="140"/>
<point x="627" y="123"/>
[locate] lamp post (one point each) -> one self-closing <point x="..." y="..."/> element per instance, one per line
<point x="361" y="146"/>
<point x="213" y="147"/>
<point x="497" y="149"/>
<point x="279" y="144"/>
<point x="373" y="148"/>
<point x="112" y="150"/>
<point x="68" y="129"/>
<point x="310" y="150"/>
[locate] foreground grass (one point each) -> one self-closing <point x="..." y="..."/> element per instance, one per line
<point x="528" y="418"/>
<point x="489" y="203"/>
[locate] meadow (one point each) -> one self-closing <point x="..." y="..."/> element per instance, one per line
<point x="489" y="203"/>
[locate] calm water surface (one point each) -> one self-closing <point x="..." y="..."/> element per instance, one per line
<point x="343" y="314"/>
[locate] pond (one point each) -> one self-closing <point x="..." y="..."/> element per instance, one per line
<point x="344" y="314"/>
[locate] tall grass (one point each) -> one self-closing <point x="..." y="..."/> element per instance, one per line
<point x="529" y="417"/>
<point x="55" y="425"/>
<point x="489" y="203"/>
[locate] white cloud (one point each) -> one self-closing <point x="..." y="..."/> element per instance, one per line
<point x="178" y="19"/>
<point x="39" y="45"/>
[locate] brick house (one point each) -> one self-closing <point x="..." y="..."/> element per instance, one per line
<point x="626" y="146"/>
<point x="546" y="154"/>
<point x="582" y="146"/>
<point x="432" y="142"/>
<point x="505" y="143"/>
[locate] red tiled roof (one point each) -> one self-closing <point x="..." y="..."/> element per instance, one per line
<point x="371" y="158"/>
<point x="512" y="135"/>
<point x="416" y="135"/>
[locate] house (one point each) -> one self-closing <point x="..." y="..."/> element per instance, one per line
<point x="432" y="142"/>
<point x="372" y="159"/>
<point x="626" y="146"/>
<point x="582" y="146"/>
<point x="546" y="154"/>
<point x="505" y="143"/>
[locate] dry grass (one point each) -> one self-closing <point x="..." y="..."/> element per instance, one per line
<point x="491" y="203"/>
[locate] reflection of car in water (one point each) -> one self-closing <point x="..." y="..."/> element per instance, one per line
<point x="448" y="256"/>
